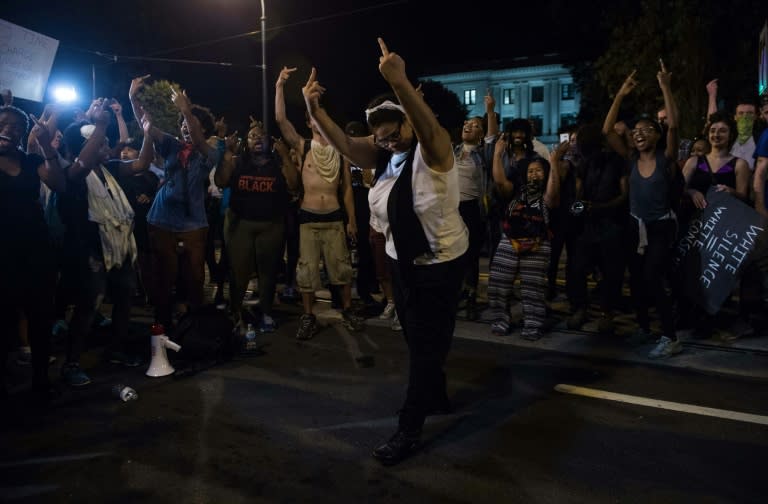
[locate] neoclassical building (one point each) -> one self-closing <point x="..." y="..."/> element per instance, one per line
<point x="541" y="89"/>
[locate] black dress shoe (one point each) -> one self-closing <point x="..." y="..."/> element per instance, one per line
<point x="399" y="446"/>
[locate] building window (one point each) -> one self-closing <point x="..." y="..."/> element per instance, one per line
<point x="537" y="122"/>
<point x="509" y="97"/>
<point x="537" y="94"/>
<point x="567" y="121"/>
<point x="566" y="92"/>
<point x="470" y="96"/>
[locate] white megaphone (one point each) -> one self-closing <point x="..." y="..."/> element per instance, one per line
<point x="159" y="366"/>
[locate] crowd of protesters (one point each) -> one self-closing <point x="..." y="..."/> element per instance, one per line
<point x="89" y="218"/>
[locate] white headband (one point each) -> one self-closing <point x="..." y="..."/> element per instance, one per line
<point x="385" y="105"/>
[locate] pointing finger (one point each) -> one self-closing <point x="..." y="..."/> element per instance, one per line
<point x="312" y="76"/>
<point x="383" y="47"/>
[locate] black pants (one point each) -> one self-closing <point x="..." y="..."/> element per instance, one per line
<point x="649" y="272"/>
<point x="426" y="298"/>
<point x="366" y="272"/>
<point x="470" y="213"/>
<point x="217" y="271"/>
<point x="608" y="253"/>
<point x="27" y="285"/>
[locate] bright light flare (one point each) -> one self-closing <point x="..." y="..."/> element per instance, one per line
<point x="64" y="94"/>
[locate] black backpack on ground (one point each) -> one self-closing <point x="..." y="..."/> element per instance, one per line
<point x="206" y="337"/>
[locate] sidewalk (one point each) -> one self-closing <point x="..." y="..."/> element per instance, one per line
<point x="720" y="354"/>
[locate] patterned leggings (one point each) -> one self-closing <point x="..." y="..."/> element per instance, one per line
<point x="532" y="268"/>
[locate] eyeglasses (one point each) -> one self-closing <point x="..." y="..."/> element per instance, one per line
<point x="389" y="139"/>
<point x="645" y="131"/>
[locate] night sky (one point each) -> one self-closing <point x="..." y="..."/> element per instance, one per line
<point x="336" y="36"/>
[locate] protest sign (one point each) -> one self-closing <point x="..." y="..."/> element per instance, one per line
<point x="26" y="58"/>
<point x="716" y="246"/>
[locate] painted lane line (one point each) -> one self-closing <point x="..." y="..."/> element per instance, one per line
<point x="53" y="460"/>
<point x="667" y="405"/>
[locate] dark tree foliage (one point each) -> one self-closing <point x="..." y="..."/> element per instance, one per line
<point x="156" y="100"/>
<point x="698" y="41"/>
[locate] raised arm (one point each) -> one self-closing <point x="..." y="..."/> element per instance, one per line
<point x="673" y="135"/>
<point x="90" y="155"/>
<point x="287" y="130"/>
<point x="147" y="152"/>
<point x="359" y="150"/>
<point x="503" y="184"/>
<point x="613" y="139"/>
<point x="122" y="127"/>
<point x="138" y="111"/>
<point x="711" y="97"/>
<point x="181" y="100"/>
<point x="50" y="171"/>
<point x="490" y="112"/>
<point x="552" y="192"/>
<point x="434" y="139"/>
<point x="49" y="119"/>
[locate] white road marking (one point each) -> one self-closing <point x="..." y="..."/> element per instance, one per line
<point x="54" y="460"/>
<point x="667" y="405"/>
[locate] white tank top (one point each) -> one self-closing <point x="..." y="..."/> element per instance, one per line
<point x="435" y="201"/>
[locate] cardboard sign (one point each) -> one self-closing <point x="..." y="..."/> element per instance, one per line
<point x="717" y="245"/>
<point x="26" y="59"/>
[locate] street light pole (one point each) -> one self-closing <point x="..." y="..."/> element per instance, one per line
<point x="264" y="94"/>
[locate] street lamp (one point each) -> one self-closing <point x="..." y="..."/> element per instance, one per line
<point x="64" y="94"/>
<point x="264" y="95"/>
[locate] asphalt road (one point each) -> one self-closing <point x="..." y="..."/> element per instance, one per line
<point x="296" y="422"/>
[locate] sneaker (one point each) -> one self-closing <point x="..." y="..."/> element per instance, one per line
<point x="267" y="324"/>
<point x="389" y="311"/>
<point x="577" y="319"/>
<point x="665" y="347"/>
<point x="532" y="335"/>
<point x="73" y="375"/>
<point x="352" y="321"/>
<point x="399" y="446"/>
<point x="499" y="328"/>
<point x="739" y="329"/>
<point x="307" y="327"/>
<point x="396" y="323"/>
<point x="219" y="301"/>
<point x="124" y="359"/>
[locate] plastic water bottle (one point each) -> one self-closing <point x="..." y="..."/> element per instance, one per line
<point x="124" y="392"/>
<point x="250" y="338"/>
<point x="250" y="333"/>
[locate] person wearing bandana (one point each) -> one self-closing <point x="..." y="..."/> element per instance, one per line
<point x="178" y="224"/>
<point x="745" y="116"/>
<point x="414" y="202"/>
